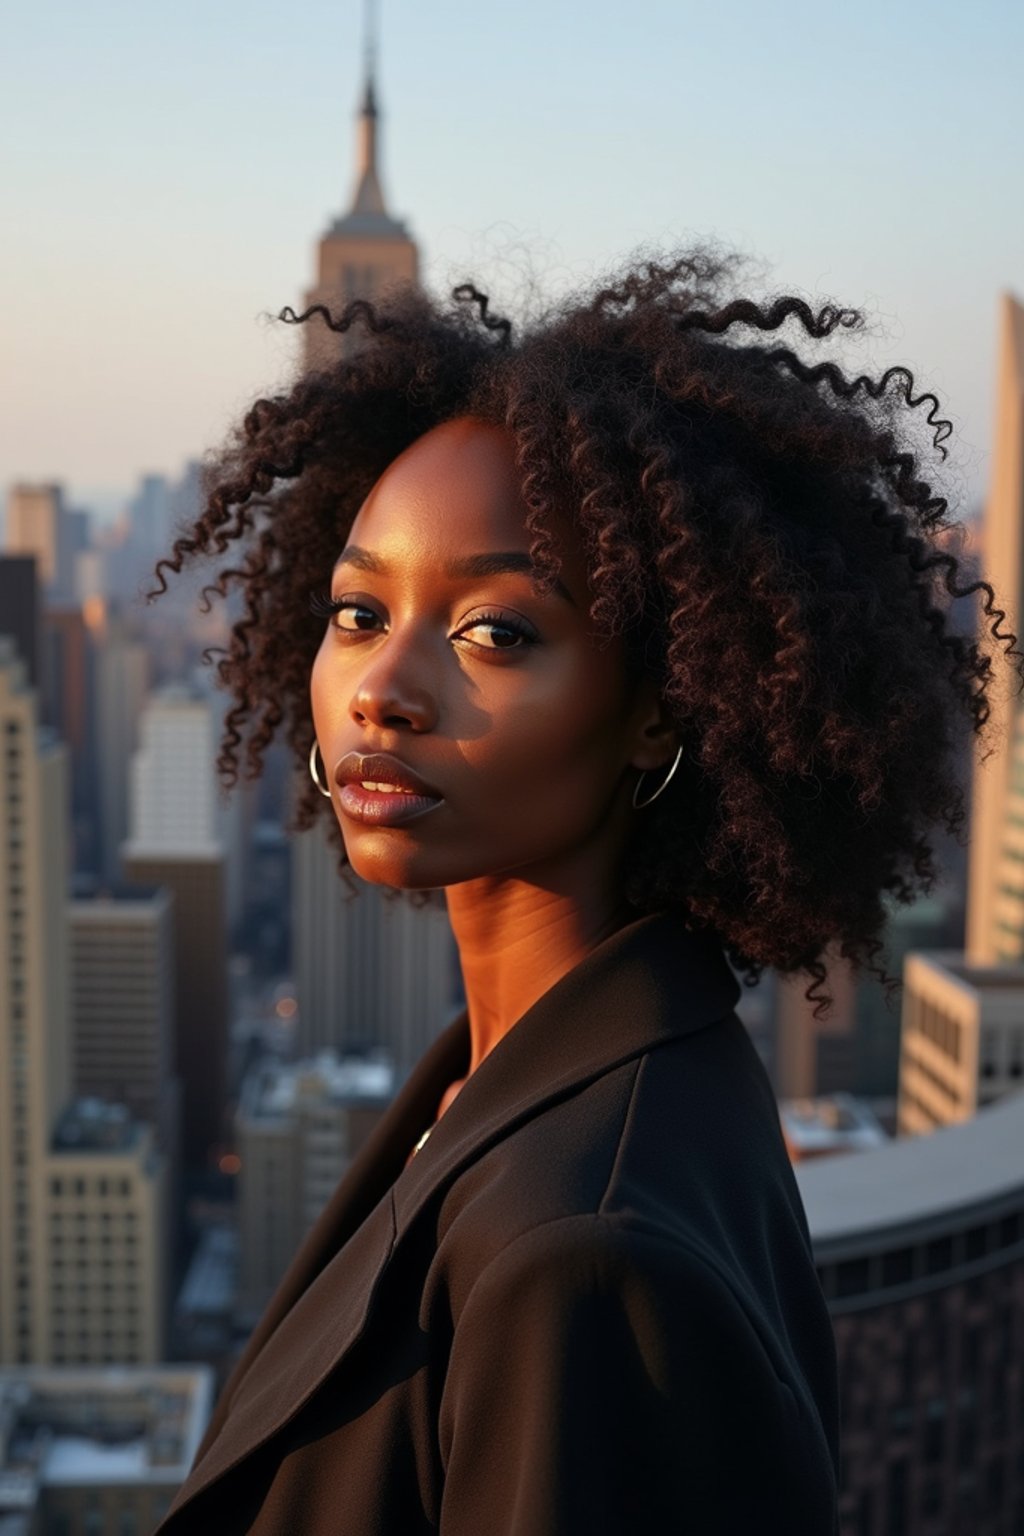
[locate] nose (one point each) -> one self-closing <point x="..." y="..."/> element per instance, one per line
<point x="392" y="690"/>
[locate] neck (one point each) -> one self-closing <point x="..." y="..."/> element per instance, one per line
<point x="516" y="939"/>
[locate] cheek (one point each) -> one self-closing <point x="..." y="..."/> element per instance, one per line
<point x="552" y="743"/>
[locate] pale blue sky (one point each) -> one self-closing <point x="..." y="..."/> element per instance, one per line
<point x="172" y="167"/>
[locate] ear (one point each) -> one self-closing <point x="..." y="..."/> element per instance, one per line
<point x="654" y="738"/>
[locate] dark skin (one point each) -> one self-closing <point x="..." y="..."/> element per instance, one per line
<point x="536" y="747"/>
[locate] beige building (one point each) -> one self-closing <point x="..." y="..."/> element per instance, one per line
<point x="365" y="250"/>
<point x="97" y="1452"/>
<point x="82" y="1189"/>
<point x="962" y="1042"/>
<point x="35" y="1054"/>
<point x="108" y="1239"/>
<point x="38" y="524"/>
<point x="298" y="1126"/>
<point x="995" y="907"/>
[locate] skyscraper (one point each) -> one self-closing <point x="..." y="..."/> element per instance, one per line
<point x="371" y="970"/>
<point x="83" y="1188"/>
<point x="365" y="250"/>
<point x="35" y="1055"/>
<point x="995" y="904"/>
<point x="122" y="989"/>
<point x="122" y="674"/>
<point x="38" y="524"/>
<point x="175" y="840"/>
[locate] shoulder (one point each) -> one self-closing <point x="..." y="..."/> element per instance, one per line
<point x="582" y="1267"/>
<point x="637" y="1364"/>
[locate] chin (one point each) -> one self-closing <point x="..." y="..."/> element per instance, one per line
<point x="389" y="868"/>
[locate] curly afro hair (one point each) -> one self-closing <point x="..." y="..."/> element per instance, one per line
<point x="756" y="531"/>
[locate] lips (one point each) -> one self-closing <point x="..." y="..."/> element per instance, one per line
<point x="407" y="797"/>
<point x="382" y="768"/>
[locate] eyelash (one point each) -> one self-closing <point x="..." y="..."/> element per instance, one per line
<point x="323" y="606"/>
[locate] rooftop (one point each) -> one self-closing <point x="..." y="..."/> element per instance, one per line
<point x="1007" y="976"/>
<point x="835" y="1122"/>
<point x="96" y="1425"/>
<point x="93" y="1125"/>
<point x="917" y="1181"/>
<point x="274" y="1089"/>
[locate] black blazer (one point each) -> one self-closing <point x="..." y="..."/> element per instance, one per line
<point x="588" y="1305"/>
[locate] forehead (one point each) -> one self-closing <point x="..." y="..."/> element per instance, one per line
<point x="459" y="480"/>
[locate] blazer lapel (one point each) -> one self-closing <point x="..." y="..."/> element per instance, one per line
<point x="647" y="983"/>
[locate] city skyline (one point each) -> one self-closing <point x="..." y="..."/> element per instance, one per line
<point x="547" y="149"/>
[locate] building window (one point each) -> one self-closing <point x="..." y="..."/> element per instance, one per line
<point x="938" y="1255"/>
<point x="1010" y="1230"/>
<point x="977" y="1243"/>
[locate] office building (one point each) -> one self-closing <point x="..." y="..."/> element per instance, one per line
<point x="995" y="907"/>
<point x="82" y="1188"/>
<point x="98" y="1452"/>
<point x="35" y="1057"/>
<point x="201" y="1012"/>
<point x="21" y="613"/>
<point x="122" y="677"/>
<point x="109" y="1239"/>
<point x="38" y="524"/>
<point x="370" y="969"/>
<point x="962" y="1041"/>
<point x="298" y="1125"/>
<point x="175" y="842"/>
<point x="123" y="1005"/>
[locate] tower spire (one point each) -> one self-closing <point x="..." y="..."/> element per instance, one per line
<point x="368" y="196"/>
<point x="369" y="44"/>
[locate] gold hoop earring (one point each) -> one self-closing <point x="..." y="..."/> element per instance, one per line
<point x="639" y="805"/>
<point x="312" y="769"/>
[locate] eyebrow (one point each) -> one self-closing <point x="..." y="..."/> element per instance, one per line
<point x="493" y="563"/>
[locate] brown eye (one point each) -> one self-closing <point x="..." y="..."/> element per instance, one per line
<point x="521" y="635"/>
<point x="324" y="606"/>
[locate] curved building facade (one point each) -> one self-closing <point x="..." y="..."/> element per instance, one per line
<point x="919" y="1244"/>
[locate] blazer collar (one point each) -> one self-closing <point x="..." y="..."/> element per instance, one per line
<point x="649" y="982"/>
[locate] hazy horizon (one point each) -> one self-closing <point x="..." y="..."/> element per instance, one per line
<point x="182" y="167"/>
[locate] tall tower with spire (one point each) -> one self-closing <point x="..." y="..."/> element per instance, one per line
<point x="365" y="250"/>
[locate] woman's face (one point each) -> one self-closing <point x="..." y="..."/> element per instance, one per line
<point x="497" y="697"/>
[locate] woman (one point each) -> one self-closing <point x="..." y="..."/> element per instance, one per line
<point x="623" y="635"/>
